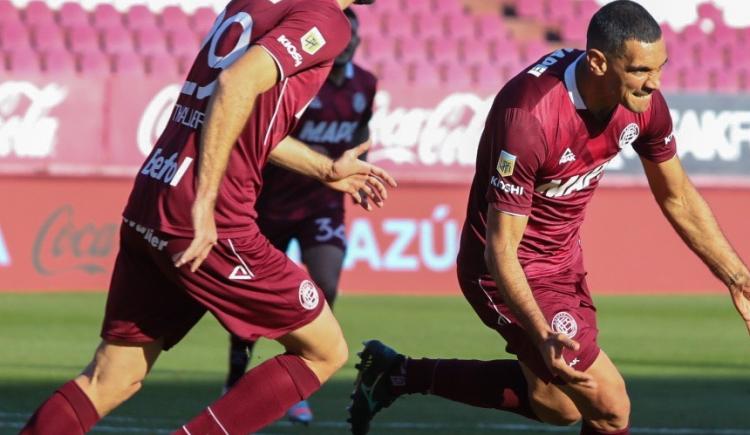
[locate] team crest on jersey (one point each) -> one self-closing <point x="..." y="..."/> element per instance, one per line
<point x="564" y="323"/>
<point x="629" y="135"/>
<point x="312" y="41"/>
<point x="506" y="163"/>
<point x="308" y="295"/>
<point x="359" y="102"/>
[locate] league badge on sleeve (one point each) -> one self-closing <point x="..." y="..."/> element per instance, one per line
<point x="506" y="163"/>
<point x="312" y="41"/>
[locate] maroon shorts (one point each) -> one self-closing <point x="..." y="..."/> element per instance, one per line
<point x="325" y="227"/>
<point x="567" y="306"/>
<point x="248" y="285"/>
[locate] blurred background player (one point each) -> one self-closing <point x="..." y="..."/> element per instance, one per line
<point x="292" y="206"/>
<point x="548" y="137"/>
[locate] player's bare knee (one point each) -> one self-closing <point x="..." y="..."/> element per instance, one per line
<point x="612" y="413"/>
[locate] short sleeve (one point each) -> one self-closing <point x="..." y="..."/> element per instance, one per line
<point x="518" y="150"/>
<point x="308" y="36"/>
<point x="657" y="142"/>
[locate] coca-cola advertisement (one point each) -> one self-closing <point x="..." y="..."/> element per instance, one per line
<point x="106" y="126"/>
<point x="50" y="126"/>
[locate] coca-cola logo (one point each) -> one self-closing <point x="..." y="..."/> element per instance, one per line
<point x="155" y="118"/>
<point x="446" y="134"/>
<point x="26" y="129"/>
<point x="63" y="245"/>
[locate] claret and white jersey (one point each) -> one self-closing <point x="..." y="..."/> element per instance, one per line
<point x="303" y="37"/>
<point x="542" y="154"/>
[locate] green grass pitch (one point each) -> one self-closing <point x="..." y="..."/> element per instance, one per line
<point x="686" y="360"/>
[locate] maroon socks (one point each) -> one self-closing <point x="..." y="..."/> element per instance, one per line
<point x="259" y="398"/>
<point x="68" y="411"/>
<point x="496" y="384"/>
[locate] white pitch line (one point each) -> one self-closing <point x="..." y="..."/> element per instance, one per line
<point x="17" y="424"/>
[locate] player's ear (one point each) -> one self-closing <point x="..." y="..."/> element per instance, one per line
<point x="596" y="61"/>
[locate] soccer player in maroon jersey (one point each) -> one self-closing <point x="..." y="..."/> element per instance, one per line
<point x="189" y="242"/>
<point x="294" y="206"/>
<point x="548" y="137"/>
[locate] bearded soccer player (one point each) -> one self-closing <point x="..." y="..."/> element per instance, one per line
<point x="547" y="139"/>
<point x="291" y="206"/>
<point x="189" y="242"/>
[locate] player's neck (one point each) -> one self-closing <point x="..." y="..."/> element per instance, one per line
<point x="598" y="101"/>
<point x="345" y="3"/>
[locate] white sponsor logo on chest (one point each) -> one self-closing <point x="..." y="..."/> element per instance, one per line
<point x="328" y="131"/>
<point x="558" y="188"/>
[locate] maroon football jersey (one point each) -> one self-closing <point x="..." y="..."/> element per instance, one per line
<point x="335" y="121"/>
<point x="303" y="37"/>
<point x="542" y="155"/>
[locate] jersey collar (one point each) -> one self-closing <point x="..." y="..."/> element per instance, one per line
<point x="570" y="83"/>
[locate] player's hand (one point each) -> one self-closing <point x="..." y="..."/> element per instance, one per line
<point x="363" y="181"/>
<point x="741" y="298"/>
<point x="552" y="352"/>
<point x="204" y="237"/>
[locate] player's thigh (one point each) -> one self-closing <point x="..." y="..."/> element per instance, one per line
<point x="609" y="400"/>
<point x="320" y="343"/>
<point x="324" y="263"/>
<point x="550" y="403"/>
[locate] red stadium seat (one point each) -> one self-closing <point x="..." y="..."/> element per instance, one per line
<point x="38" y="13"/>
<point x="94" y="63"/>
<point x="427" y="25"/>
<point x="445" y="51"/>
<point x="173" y="17"/>
<point x="163" y="66"/>
<point x="391" y="72"/>
<point x="534" y="10"/>
<point x="128" y="64"/>
<point x="473" y="52"/>
<point x="447" y="7"/>
<point x="140" y="17"/>
<point x="150" y="41"/>
<point x="106" y="16"/>
<point x="9" y="13"/>
<point x="182" y="42"/>
<point x="47" y="38"/>
<point x="83" y="40"/>
<point x="459" y="25"/>
<point x="23" y="62"/>
<point x="422" y="74"/>
<point x="724" y="80"/>
<point x="419" y="6"/>
<point x="490" y="27"/>
<point x="14" y="36"/>
<point x="72" y="14"/>
<point x="535" y="49"/>
<point x="58" y="62"/>
<point x="487" y="76"/>
<point x="117" y="40"/>
<point x="455" y="75"/>
<point x="397" y="26"/>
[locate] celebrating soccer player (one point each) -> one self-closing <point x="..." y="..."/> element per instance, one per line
<point x="190" y="243"/>
<point x="548" y="137"/>
<point x="292" y="206"/>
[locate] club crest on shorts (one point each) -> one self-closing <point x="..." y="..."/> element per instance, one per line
<point x="506" y="163"/>
<point x="564" y="323"/>
<point x="629" y="135"/>
<point x="308" y="295"/>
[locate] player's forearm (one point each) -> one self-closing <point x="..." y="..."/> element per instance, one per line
<point x="227" y="113"/>
<point x="296" y="156"/>
<point x="693" y="220"/>
<point x="511" y="280"/>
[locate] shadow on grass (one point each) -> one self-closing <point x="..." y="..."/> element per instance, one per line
<point x="660" y="406"/>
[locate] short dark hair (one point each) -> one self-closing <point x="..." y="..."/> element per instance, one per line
<point x="620" y="21"/>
